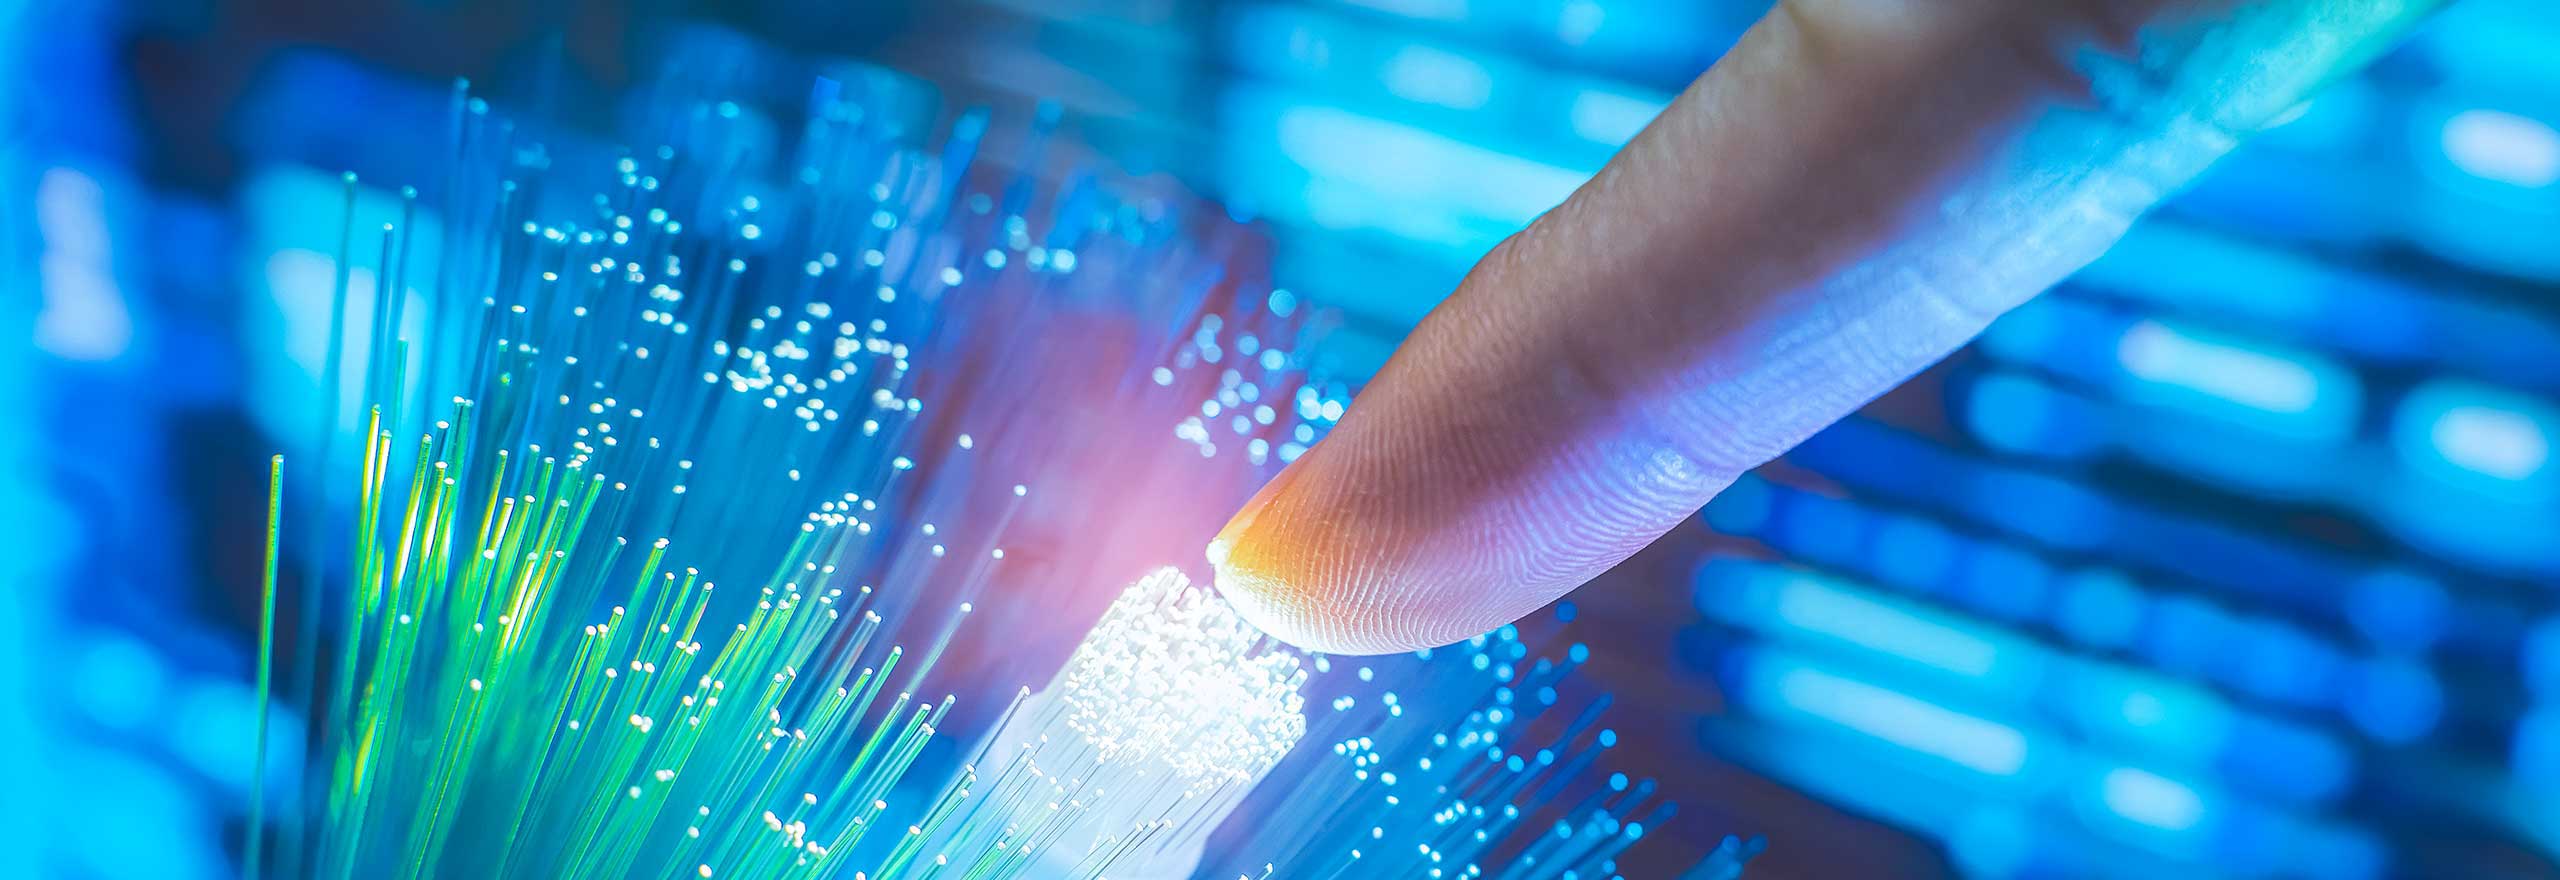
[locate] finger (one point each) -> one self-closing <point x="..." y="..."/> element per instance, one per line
<point x="1853" y="192"/>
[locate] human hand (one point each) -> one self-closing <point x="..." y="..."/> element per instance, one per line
<point x="1850" y="194"/>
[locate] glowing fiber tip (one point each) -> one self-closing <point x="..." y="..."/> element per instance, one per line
<point x="1172" y="675"/>
<point x="1166" y="715"/>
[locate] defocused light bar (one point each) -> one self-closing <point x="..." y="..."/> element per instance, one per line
<point x="1795" y="605"/>
<point x="1399" y="162"/>
<point x="2504" y="147"/>
<point x="1425" y="10"/>
<point x="1610" y="117"/>
<point x="84" y="316"/>
<point x="2120" y="705"/>
<point x="2478" y="429"/>
<point x="1336" y="205"/>
<point x="2151" y="799"/>
<point x="1577" y="21"/>
<point x="1903" y="720"/>
<point x="2501" y="443"/>
<point x="2153" y="352"/>
<point x="2497" y="186"/>
<point x="2240" y="383"/>
<point x="1425" y="75"/>
<point x="1892" y="464"/>
<point x="1814" y="607"/>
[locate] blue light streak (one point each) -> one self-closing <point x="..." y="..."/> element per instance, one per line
<point x="1426" y="75"/>
<point x="1971" y="742"/>
<point x="2287" y="393"/>
<point x="1611" y="116"/>
<point x="2151" y="799"/>
<point x="2502" y="147"/>
<point x="1802" y="606"/>
<point x="2476" y="436"/>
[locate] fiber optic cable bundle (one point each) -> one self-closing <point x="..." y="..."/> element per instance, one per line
<point x="719" y="499"/>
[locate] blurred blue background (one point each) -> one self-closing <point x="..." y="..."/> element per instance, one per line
<point x="2234" y="556"/>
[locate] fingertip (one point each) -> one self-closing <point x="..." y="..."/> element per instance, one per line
<point x="1241" y="587"/>
<point x="1269" y="586"/>
<point x="1270" y="564"/>
<point x="1268" y="603"/>
<point x="1283" y="601"/>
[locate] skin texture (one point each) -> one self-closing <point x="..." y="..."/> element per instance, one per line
<point x="1852" y="193"/>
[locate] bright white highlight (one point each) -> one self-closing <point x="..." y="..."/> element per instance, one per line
<point x="1173" y="678"/>
<point x="2255" y="379"/>
<point x="2151" y="799"/>
<point x="2501" y="443"/>
<point x="1168" y="713"/>
<point x="1974" y="743"/>
<point x="2503" y="147"/>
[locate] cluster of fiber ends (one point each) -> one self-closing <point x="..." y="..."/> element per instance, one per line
<point x="486" y="716"/>
<point x="657" y="736"/>
<point x="609" y="402"/>
<point x="1173" y="675"/>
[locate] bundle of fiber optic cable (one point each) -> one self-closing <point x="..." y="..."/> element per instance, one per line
<point x="723" y="508"/>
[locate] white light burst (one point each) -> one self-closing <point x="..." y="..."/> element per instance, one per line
<point x="1172" y="676"/>
<point x="1168" y="713"/>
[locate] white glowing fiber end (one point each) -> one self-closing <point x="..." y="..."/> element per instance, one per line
<point x="1169" y="711"/>
<point x="1173" y="676"/>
